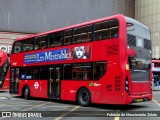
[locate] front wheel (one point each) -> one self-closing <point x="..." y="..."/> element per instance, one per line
<point x="26" y="93"/>
<point x="84" y="97"/>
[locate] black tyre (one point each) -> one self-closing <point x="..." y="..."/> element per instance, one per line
<point x="26" y="93"/>
<point x="84" y="97"/>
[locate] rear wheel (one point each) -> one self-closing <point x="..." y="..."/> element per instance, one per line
<point x="26" y="92"/>
<point x="84" y="97"/>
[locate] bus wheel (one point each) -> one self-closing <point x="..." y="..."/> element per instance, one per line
<point x="26" y="92"/>
<point x="84" y="97"/>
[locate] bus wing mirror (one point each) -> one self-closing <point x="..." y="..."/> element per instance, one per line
<point x="131" y="52"/>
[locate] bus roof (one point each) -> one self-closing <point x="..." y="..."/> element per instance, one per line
<point x="136" y="22"/>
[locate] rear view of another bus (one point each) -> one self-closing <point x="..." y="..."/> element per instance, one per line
<point x="139" y="60"/>
<point x="4" y="65"/>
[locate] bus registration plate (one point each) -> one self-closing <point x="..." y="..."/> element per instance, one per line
<point x="139" y="100"/>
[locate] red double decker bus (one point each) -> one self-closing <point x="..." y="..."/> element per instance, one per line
<point x="4" y="75"/>
<point x="105" y="61"/>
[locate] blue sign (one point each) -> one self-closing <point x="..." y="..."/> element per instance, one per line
<point x="23" y="76"/>
<point x="48" y="56"/>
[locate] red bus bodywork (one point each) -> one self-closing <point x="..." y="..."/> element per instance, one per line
<point x="5" y="78"/>
<point x="110" y="89"/>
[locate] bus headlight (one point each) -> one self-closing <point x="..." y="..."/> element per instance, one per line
<point x="127" y="85"/>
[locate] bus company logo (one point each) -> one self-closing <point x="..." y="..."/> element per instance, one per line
<point x="36" y="85"/>
<point x="94" y="84"/>
<point x="91" y="84"/>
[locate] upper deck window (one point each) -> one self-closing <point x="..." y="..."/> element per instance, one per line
<point x="82" y="34"/>
<point x="68" y="37"/>
<point x="41" y="42"/>
<point x="28" y="45"/>
<point x="96" y="31"/>
<point x="17" y="47"/>
<point x="56" y="39"/>
<point x="106" y="30"/>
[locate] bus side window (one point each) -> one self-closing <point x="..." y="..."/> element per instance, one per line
<point x="22" y="73"/>
<point x="40" y="73"/>
<point x="43" y="73"/>
<point x="67" y="71"/>
<point x="68" y="37"/>
<point x="28" y="73"/>
<point x="99" y="70"/>
<point x="35" y="73"/>
<point x="56" y="39"/>
<point x="28" y="45"/>
<point x="41" y="42"/>
<point x="82" y="71"/>
<point x="106" y="30"/>
<point x="51" y="40"/>
<point x="17" y="47"/>
<point x="82" y="34"/>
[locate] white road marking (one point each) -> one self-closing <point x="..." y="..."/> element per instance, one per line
<point x="35" y="106"/>
<point x="155" y="102"/>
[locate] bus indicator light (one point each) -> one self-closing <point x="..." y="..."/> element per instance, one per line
<point x="127" y="67"/>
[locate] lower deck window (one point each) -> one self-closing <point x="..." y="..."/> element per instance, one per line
<point x="82" y="71"/>
<point x="77" y="71"/>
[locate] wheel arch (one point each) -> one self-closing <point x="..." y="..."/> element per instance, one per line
<point x="24" y="89"/>
<point x="80" y="89"/>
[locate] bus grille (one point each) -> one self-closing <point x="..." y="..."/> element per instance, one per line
<point x="117" y="83"/>
<point x="112" y="50"/>
<point x="108" y="87"/>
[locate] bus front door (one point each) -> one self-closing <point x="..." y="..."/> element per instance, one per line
<point x="54" y="82"/>
<point x="14" y="80"/>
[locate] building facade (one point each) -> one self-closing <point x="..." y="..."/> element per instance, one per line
<point x="34" y="16"/>
<point x="7" y="38"/>
<point x="148" y="12"/>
